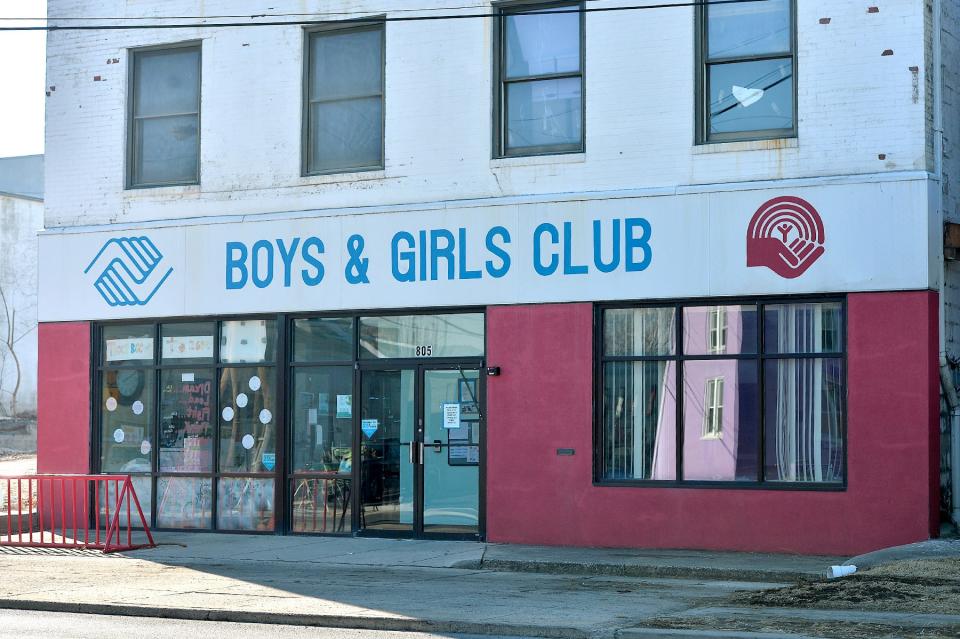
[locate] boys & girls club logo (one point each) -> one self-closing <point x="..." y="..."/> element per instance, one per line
<point x="129" y="271"/>
<point x="785" y="235"/>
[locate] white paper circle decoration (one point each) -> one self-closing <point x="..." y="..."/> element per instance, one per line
<point x="137" y="407"/>
<point x="254" y="383"/>
<point x="144" y="447"/>
<point x="228" y="414"/>
<point x="111" y="404"/>
<point x="265" y="416"/>
<point x="247" y="441"/>
<point x="118" y="435"/>
<point x="242" y="400"/>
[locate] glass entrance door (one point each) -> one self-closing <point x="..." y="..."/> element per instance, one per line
<point x="420" y="451"/>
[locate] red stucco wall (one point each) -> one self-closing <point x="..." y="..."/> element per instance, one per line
<point x="543" y="401"/>
<point x="63" y="402"/>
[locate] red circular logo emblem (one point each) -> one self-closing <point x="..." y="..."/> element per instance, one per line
<point x="785" y="235"/>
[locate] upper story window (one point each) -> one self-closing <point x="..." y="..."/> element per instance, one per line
<point x="164" y="122"/>
<point x="539" y="66"/>
<point x="747" y="67"/>
<point x="343" y="101"/>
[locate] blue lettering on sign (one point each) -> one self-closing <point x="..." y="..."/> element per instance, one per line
<point x="442" y="254"/>
<point x="259" y="263"/>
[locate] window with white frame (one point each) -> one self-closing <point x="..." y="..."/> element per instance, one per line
<point x="747" y="68"/>
<point x="713" y="409"/>
<point x="164" y="120"/>
<point x="718" y="330"/>
<point x="539" y="68"/>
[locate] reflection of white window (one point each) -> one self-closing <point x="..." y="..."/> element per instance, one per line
<point x="718" y="330"/>
<point x="713" y="404"/>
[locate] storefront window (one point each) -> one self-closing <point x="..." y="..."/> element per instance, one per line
<point x="248" y="341"/>
<point x="248" y="428"/>
<point x="323" y="339"/>
<point x="245" y="503"/>
<point x="704" y="399"/>
<point x="128" y="345"/>
<point x="126" y="421"/>
<point x="184" y="502"/>
<point x="419" y="336"/>
<point x="187" y="343"/>
<point x="186" y="430"/>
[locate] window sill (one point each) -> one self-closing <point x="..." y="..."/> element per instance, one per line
<point x="163" y="190"/>
<point x="336" y="178"/>
<point x="538" y="160"/>
<point x="746" y="145"/>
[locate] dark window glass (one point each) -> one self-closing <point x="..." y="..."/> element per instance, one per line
<point x="126" y="424"/>
<point x="323" y="419"/>
<point x="744" y="415"/>
<point x="165" y="117"/>
<point x="344" y="111"/>
<point x="321" y="505"/>
<point x="541" y="80"/>
<point x="804" y="420"/>
<point x="802" y="328"/>
<point x="246" y="415"/>
<point x="721" y="420"/>
<point x="418" y="336"/>
<point x="639" y="420"/>
<point x="639" y="331"/>
<point x="747" y="61"/>
<point x="720" y="330"/>
<point x="323" y="339"/>
<point x="186" y="420"/>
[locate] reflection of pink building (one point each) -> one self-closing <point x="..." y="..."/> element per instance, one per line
<point x="720" y="403"/>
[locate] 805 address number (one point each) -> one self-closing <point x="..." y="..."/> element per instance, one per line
<point x="424" y="351"/>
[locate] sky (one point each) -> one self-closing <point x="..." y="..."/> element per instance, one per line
<point x="22" y="80"/>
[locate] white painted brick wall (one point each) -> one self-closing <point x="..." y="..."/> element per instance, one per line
<point x="854" y="105"/>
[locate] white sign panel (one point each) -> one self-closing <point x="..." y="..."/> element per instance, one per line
<point x="451" y="416"/>
<point x="811" y="239"/>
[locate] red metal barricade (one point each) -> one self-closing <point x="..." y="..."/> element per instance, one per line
<point x="97" y="512"/>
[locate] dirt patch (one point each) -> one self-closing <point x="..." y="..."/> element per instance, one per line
<point x="927" y="586"/>
<point x="829" y="629"/>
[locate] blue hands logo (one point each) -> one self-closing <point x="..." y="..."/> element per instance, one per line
<point x="131" y="272"/>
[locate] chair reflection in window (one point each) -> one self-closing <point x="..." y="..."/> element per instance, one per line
<point x="321" y="504"/>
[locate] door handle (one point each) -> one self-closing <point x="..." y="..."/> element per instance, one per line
<point x="437" y="446"/>
<point x="420" y="460"/>
<point x="411" y="452"/>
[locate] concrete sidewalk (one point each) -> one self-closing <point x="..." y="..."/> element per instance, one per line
<point x="426" y="586"/>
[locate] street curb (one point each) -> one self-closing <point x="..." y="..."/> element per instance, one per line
<point x="659" y="572"/>
<point x="661" y="633"/>
<point x="323" y="621"/>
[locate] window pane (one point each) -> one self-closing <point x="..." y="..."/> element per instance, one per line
<point x="184" y="502"/>
<point x="346" y="64"/>
<point x="751" y="96"/>
<point x="639" y="331"/>
<point x="717" y="330"/>
<point x="167" y="149"/>
<point x="751" y="28"/>
<point x="721" y="413"/>
<point x="323" y="339"/>
<point x="455" y="335"/>
<point x="128" y="344"/>
<point x="323" y="419"/>
<point x="544" y="113"/>
<point x="167" y="82"/>
<point x="803" y="420"/>
<point x="321" y="505"/>
<point x="245" y="503"/>
<point x="543" y="42"/>
<point x="247" y="425"/>
<point x="186" y="430"/>
<point x="802" y="328"/>
<point x="346" y="134"/>
<point x="109" y="491"/>
<point x="126" y="412"/>
<point x="187" y="343"/>
<point x="639" y="420"/>
<point x="248" y="341"/>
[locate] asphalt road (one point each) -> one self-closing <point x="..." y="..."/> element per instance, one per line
<point x="17" y="624"/>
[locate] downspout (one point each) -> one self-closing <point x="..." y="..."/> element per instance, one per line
<point x="946" y="377"/>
